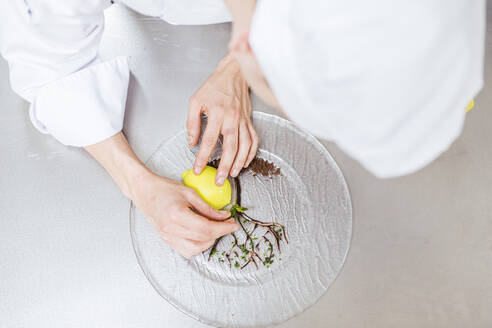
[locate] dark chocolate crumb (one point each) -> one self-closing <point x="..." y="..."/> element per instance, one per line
<point x="265" y="168"/>
<point x="257" y="166"/>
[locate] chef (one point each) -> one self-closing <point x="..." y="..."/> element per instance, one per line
<point x="388" y="81"/>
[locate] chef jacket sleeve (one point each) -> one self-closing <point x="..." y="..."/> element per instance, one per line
<point x="183" y="12"/>
<point x="192" y="12"/>
<point x="52" y="50"/>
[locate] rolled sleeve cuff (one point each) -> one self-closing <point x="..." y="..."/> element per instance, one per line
<point x="85" y="107"/>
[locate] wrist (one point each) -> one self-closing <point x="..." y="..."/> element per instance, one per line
<point x="119" y="160"/>
<point x="230" y="64"/>
<point x="134" y="176"/>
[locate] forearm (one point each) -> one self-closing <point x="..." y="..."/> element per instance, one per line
<point x="119" y="160"/>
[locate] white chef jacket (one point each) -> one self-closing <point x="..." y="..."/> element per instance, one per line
<point x="52" y="50"/>
<point x="387" y="80"/>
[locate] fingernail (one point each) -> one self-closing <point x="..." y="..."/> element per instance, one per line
<point x="197" y="169"/>
<point x="190" y="139"/>
<point x="235" y="172"/>
<point x="225" y="213"/>
<point x="219" y="179"/>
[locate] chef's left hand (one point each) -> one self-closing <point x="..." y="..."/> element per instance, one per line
<point x="224" y="98"/>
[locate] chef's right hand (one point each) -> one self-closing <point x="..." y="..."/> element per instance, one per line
<point x="183" y="220"/>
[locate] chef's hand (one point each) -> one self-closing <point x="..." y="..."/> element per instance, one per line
<point x="224" y="98"/>
<point x="183" y="220"/>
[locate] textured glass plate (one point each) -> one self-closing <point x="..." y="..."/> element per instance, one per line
<point x="310" y="199"/>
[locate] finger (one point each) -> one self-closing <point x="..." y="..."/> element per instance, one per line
<point x="195" y="235"/>
<point x="177" y="230"/>
<point x="243" y="151"/>
<point x="179" y="226"/>
<point x="205" y="209"/>
<point x="193" y="122"/>
<point x="229" y="150"/>
<point x="254" y="144"/>
<point x="209" y="140"/>
<point x="187" y="248"/>
<point x="210" y="228"/>
<point x="196" y="247"/>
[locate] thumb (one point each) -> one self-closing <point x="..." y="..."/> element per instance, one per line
<point x="205" y="209"/>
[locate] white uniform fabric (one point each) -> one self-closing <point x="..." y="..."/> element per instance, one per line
<point x="52" y="50"/>
<point x="388" y="81"/>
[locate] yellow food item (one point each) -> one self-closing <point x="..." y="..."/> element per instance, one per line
<point x="204" y="185"/>
<point x="470" y="106"/>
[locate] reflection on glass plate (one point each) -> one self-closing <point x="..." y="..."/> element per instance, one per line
<point x="310" y="198"/>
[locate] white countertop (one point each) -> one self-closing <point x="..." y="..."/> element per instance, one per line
<point x="421" y="253"/>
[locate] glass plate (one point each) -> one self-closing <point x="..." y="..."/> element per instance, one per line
<point x="310" y="198"/>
